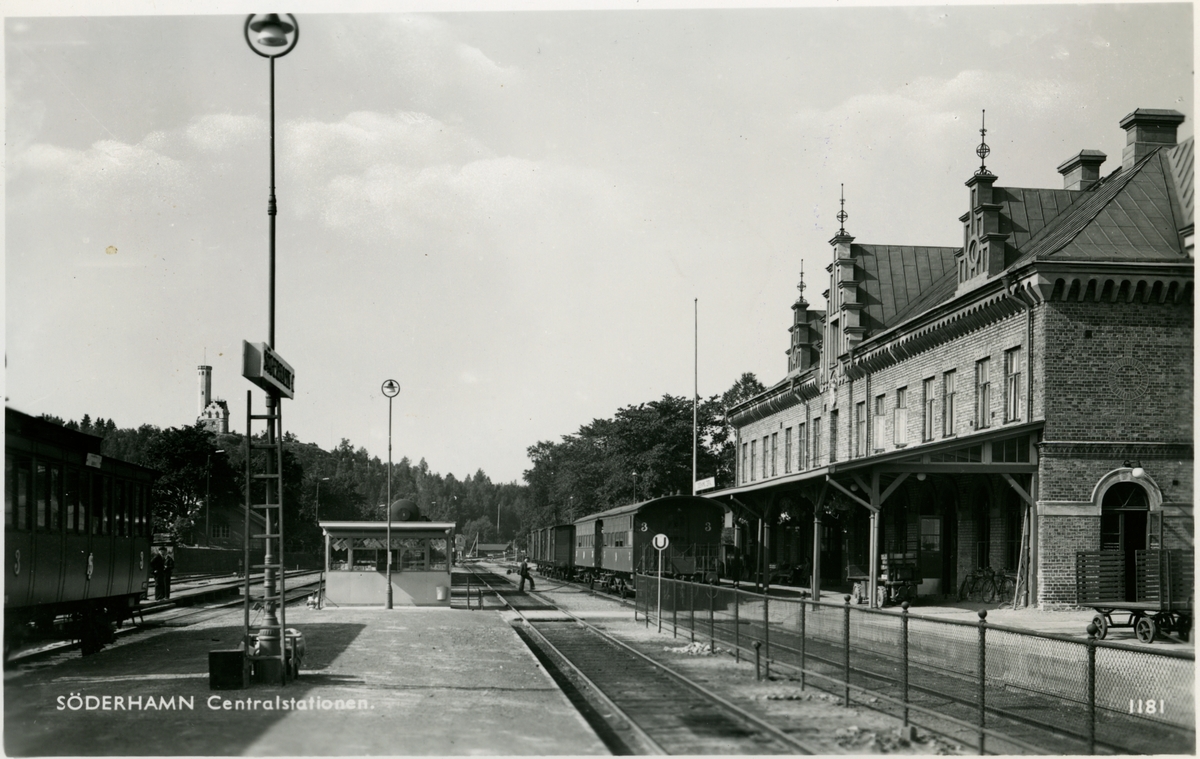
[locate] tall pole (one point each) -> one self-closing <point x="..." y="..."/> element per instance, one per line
<point x="695" y="385"/>
<point x="389" y="508"/>
<point x="272" y="33"/>
<point x="390" y="389"/>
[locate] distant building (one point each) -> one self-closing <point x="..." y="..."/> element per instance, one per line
<point x="214" y="413"/>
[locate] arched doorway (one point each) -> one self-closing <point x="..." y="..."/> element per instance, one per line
<point x="1124" y="513"/>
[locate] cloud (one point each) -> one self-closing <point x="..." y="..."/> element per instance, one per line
<point x="215" y="133"/>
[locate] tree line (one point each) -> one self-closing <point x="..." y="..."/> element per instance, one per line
<point x="643" y="451"/>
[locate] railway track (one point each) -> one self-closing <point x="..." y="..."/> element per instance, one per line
<point x="169" y="614"/>
<point x="636" y="704"/>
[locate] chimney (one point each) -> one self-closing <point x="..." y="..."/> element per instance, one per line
<point x="1146" y="130"/>
<point x="1082" y="171"/>
<point x="205" y="387"/>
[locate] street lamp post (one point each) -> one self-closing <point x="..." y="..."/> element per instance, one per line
<point x="271" y="32"/>
<point x="390" y="388"/>
<point x="208" y="492"/>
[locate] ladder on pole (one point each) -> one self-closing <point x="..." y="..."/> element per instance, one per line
<point x="269" y="644"/>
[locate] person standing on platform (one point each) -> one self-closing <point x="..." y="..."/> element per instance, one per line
<point x="168" y="568"/>
<point x="524" y="572"/>
<point x="158" y="566"/>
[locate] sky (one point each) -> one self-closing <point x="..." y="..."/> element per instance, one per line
<point x="529" y="218"/>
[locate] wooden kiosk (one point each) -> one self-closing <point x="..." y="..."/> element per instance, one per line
<point x="356" y="563"/>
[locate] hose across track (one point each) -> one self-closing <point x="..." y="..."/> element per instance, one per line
<point x="650" y="707"/>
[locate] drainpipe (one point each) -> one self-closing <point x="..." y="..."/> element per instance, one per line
<point x="1013" y="289"/>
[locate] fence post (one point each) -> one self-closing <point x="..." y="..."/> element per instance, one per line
<point x="767" y="629"/>
<point x="1091" y="686"/>
<point x="737" y="629"/>
<point x="757" y="660"/>
<point x="803" y="663"/>
<point x="712" y="603"/>
<point x="904" y="659"/>
<point x="982" y="678"/>
<point x="846" y="645"/>
<point x="674" y="609"/>
<point x="692" y="607"/>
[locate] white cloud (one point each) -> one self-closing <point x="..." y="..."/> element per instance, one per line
<point x="218" y="132"/>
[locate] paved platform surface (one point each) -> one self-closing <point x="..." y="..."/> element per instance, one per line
<point x="407" y="681"/>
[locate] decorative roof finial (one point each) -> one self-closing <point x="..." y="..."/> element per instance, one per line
<point x="801" y="286"/>
<point x="983" y="150"/>
<point x="842" y="215"/>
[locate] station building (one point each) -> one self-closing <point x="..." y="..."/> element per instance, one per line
<point x="1001" y="404"/>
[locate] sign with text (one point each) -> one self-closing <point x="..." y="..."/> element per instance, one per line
<point x="267" y="369"/>
<point x="705" y="484"/>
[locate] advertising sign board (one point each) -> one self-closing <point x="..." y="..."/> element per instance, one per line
<point x="267" y="369"/>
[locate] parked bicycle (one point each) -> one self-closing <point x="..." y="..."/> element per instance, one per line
<point x="979" y="585"/>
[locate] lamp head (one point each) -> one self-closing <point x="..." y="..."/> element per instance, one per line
<point x="1138" y="471"/>
<point x="272" y="31"/>
<point x="921" y="476"/>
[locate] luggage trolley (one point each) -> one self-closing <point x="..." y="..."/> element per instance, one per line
<point x="1163" y="598"/>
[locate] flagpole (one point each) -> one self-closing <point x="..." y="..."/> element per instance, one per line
<point x="695" y="385"/>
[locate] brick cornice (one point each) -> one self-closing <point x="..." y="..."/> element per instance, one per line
<point x="1115" y="449"/>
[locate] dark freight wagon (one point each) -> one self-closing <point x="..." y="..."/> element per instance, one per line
<point x="1159" y="601"/>
<point x="552" y="550"/>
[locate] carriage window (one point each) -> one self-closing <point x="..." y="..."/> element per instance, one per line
<point x="10" y="490"/>
<point x="71" y="499"/>
<point x="55" y="498"/>
<point x="118" y="504"/>
<point x="105" y="502"/>
<point x="91" y="493"/>
<point x="40" y="490"/>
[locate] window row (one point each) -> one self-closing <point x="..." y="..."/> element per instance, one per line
<point x="370" y="554"/>
<point x="939" y="399"/>
<point x="52" y="497"/>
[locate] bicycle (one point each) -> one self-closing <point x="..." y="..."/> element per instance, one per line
<point x="1005" y="583"/>
<point x="978" y="585"/>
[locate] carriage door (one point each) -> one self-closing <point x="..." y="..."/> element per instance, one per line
<point x="1123" y="522"/>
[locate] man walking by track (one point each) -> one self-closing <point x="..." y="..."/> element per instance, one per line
<point x="525" y="575"/>
<point x="158" y="568"/>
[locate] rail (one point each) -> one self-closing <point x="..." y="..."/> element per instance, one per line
<point x="975" y="683"/>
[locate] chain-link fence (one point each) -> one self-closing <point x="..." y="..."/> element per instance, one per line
<point x="995" y="688"/>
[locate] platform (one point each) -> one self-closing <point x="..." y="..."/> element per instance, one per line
<point x="374" y="682"/>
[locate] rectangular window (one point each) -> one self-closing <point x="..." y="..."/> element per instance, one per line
<point x="71" y="499"/>
<point x="10" y="490"/>
<point x="877" y="421"/>
<point x="816" y="441"/>
<point x="774" y="451"/>
<point x="105" y="504"/>
<point x="802" y="447"/>
<point x="764" y="458"/>
<point x="787" y="450"/>
<point x="860" y="428"/>
<point x="220" y="528"/>
<point x="1012" y="385"/>
<point x="41" y="491"/>
<point x="900" y="422"/>
<point x="983" y="393"/>
<point x="55" y="498"/>
<point x="745" y="465"/>
<point x="948" y="403"/>
<point x="833" y="436"/>
<point x="753" y="460"/>
<point x="927" y="405"/>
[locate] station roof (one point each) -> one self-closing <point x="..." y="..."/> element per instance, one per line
<point x="377" y="528"/>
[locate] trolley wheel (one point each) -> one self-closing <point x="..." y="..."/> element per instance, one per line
<point x="1101" y="623"/>
<point x="1145" y="629"/>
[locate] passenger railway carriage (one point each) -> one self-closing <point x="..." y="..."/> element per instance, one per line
<point x="77" y="532"/>
<point x="614" y="546"/>
<point x="552" y="549"/>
